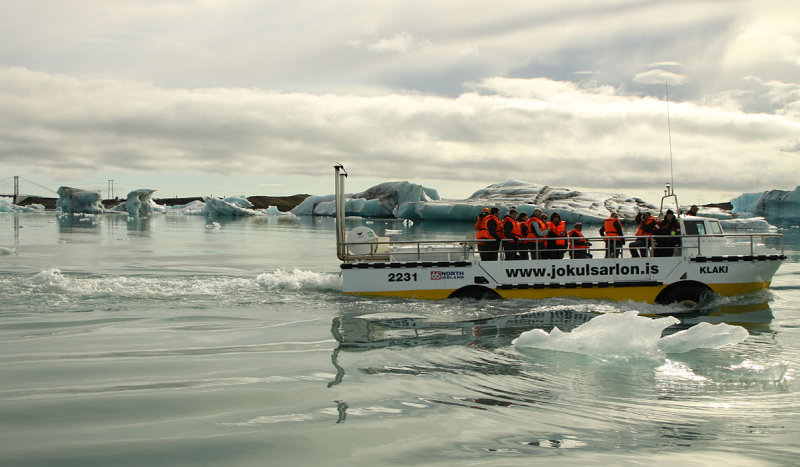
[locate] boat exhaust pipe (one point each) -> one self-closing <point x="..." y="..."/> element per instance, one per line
<point x="341" y="174"/>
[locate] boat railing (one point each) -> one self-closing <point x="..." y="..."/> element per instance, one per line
<point x="537" y="248"/>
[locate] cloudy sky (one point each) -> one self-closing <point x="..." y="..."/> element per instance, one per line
<point x="223" y="97"/>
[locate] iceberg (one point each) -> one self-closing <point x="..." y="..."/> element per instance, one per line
<point x="139" y="204"/>
<point x="388" y="199"/>
<point x="406" y="200"/>
<point x="77" y="201"/>
<point x="776" y="206"/>
<point x="7" y="205"/>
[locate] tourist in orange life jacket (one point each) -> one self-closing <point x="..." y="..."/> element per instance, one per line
<point x="612" y="230"/>
<point x="668" y="235"/>
<point x="557" y="237"/>
<point x="482" y="233"/>
<point x="538" y="229"/>
<point x="647" y="224"/>
<point x="491" y="223"/>
<point x="523" y="248"/>
<point x="578" y="245"/>
<point x="510" y="232"/>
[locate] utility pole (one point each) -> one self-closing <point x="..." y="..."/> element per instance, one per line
<point x="16" y="189"/>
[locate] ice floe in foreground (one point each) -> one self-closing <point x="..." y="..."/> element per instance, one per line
<point x="630" y="335"/>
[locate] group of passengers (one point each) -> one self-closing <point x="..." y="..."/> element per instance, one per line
<point x="537" y="237"/>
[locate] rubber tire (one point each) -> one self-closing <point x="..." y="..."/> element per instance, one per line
<point x="688" y="295"/>
<point x="475" y="292"/>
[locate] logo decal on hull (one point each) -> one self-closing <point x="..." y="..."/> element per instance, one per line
<point x="446" y="275"/>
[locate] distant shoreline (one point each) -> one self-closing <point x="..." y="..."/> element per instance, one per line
<point x="283" y="203"/>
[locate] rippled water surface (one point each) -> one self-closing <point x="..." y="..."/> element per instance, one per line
<point x="175" y="341"/>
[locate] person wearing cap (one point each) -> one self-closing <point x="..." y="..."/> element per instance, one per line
<point x="612" y="230"/>
<point x="667" y="235"/>
<point x="578" y="245"/>
<point x="692" y="210"/>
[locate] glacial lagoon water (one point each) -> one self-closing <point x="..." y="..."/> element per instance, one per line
<point x="177" y="341"/>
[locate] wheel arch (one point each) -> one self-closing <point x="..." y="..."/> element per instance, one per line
<point x="683" y="291"/>
<point x="478" y="292"/>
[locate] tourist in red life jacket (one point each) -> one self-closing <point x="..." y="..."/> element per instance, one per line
<point x="538" y="229"/>
<point x="578" y="245"/>
<point x="557" y="238"/>
<point x="612" y="230"/>
<point x="668" y="235"/>
<point x="510" y="232"/>
<point x="523" y="249"/>
<point x="647" y="224"/>
<point x="490" y="225"/>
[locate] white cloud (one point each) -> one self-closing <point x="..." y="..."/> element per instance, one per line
<point x="659" y="76"/>
<point x="470" y="91"/>
<point x="549" y="131"/>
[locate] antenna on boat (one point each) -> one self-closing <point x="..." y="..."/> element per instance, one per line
<point x="669" y="134"/>
<point x="670" y="190"/>
<point x="341" y="174"/>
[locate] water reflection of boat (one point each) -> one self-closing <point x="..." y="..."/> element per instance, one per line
<point x="383" y="330"/>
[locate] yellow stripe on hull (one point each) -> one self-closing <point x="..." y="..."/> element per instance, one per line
<point x="637" y="294"/>
<point x="437" y="294"/>
<point x="738" y="289"/>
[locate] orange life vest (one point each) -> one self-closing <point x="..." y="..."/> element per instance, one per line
<point x="648" y="221"/>
<point x="515" y="229"/>
<point x="532" y="231"/>
<point x="561" y="233"/>
<point x="483" y="229"/>
<point x="610" y="228"/>
<point x="577" y="243"/>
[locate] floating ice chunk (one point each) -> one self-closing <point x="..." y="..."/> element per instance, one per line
<point x="139" y="204"/>
<point x="7" y="205"/>
<point x="240" y="201"/>
<point x="629" y="335"/>
<point x="612" y="334"/>
<point x="272" y="211"/>
<point x="7" y="251"/>
<point x="222" y="208"/>
<point x="75" y="200"/>
<point x="703" y="336"/>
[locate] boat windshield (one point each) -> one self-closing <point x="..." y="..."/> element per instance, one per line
<point x="694" y="228"/>
<point x="716" y="229"/>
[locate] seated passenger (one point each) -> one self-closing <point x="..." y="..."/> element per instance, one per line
<point x="557" y="238"/>
<point x="578" y="245"/>
<point x="647" y="224"/>
<point x="667" y="236"/>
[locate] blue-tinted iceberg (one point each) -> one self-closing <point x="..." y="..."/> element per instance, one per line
<point x="776" y="206"/>
<point x="405" y="200"/>
<point x="236" y="206"/>
<point x="389" y="199"/>
<point x="77" y="201"/>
